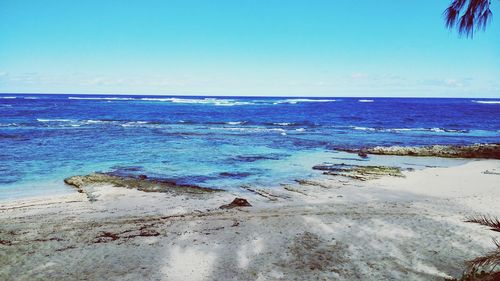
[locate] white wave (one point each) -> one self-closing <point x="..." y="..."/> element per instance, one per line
<point x="8" y="124"/>
<point x="90" y="121"/>
<point x="54" y="120"/>
<point x="31" y="98"/>
<point x="365" y="100"/>
<point x="438" y="130"/>
<point x="295" y="101"/>
<point x="487" y="101"/>
<point x="214" y="101"/>
<point x="283" y="124"/>
<point x="300" y="130"/>
<point x="8" y="97"/>
<point x="232" y="103"/>
<point x="235" y="123"/>
<point x="135" y="124"/>
<point x="363" y="128"/>
<point x="99" y="98"/>
<point x="404" y="129"/>
<point x="435" y="130"/>
<point x="250" y="129"/>
<point x="156" y="99"/>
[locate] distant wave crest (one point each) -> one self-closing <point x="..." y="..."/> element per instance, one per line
<point x="210" y="100"/>
<point x="54" y="120"/>
<point x="99" y="98"/>
<point x="295" y="101"/>
<point x="435" y="130"/>
<point x="487" y="101"/>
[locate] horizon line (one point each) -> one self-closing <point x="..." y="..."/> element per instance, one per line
<point x="245" y="96"/>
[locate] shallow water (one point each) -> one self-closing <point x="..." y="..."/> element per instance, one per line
<point x="219" y="142"/>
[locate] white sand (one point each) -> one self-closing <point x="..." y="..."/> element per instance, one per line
<point x="387" y="229"/>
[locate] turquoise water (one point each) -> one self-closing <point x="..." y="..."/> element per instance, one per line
<point x="218" y="142"/>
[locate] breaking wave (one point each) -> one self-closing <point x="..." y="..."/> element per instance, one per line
<point x="487" y="101"/>
<point x="295" y="101"/>
<point x="435" y="130"/>
<point x="99" y="98"/>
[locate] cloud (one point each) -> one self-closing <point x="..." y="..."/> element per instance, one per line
<point x="358" y="75"/>
<point x="446" y="82"/>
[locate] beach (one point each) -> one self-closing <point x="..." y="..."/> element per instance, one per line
<point x="408" y="227"/>
<point x="249" y="140"/>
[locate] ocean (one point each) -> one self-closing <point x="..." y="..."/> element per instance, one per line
<point x="221" y="142"/>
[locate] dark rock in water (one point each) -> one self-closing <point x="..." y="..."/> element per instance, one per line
<point x="127" y="168"/>
<point x="349" y="159"/>
<point x="487" y="151"/>
<point x="334" y="167"/>
<point x="141" y="182"/>
<point x="257" y="157"/>
<point x="237" y="175"/>
<point x="237" y="202"/>
<point x="362" y="154"/>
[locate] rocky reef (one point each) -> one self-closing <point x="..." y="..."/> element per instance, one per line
<point x="139" y="182"/>
<point x="358" y="172"/>
<point x="487" y="151"/>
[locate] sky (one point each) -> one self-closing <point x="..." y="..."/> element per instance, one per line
<point x="245" y="47"/>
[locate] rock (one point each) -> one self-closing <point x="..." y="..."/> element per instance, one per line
<point x="237" y="175"/>
<point x="487" y="151"/>
<point x="258" y="157"/>
<point x="362" y="154"/>
<point x="141" y="182"/>
<point x="359" y="172"/>
<point x="237" y="202"/>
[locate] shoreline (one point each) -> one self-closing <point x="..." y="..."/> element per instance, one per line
<point x="329" y="227"/>
<point x="421" y="155"/>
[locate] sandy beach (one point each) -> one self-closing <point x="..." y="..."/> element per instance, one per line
<point x="333" y="228"/>
<point x="249" y="140"/>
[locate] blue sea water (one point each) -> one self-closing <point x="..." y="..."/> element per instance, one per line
<point x="214" y="141"/>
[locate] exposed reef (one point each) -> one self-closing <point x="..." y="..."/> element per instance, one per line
<point x="139" y="182"/>
<point x="487" y="151"/>
<point x="358" y="172"/>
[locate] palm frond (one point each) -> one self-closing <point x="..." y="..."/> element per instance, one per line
<point x="496" y="243"/>
<point x="468" y="16"/>
<point x="493" y="223"/>
<point x="452" y="12"/>
<point x="484" y="19"/>
<point x="489" y="261"/>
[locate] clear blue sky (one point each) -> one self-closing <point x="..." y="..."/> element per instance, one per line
<point x="239" y="47"/>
